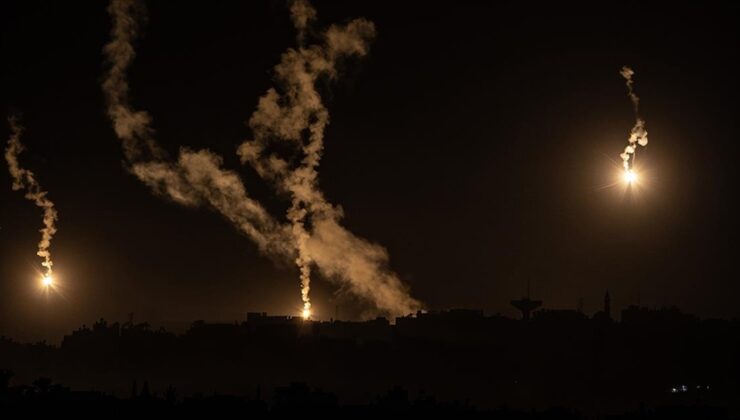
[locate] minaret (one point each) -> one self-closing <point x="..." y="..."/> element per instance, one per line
<point x="607" y="305"/>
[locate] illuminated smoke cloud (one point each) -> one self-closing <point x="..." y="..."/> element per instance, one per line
<point x="23" y="179"/>
<point x="294" y="114"/>
<point x="638" y="134"/>
<point x="131" y="126"/>
<point x="302" y="13"/>
<point x="197" y="177"/>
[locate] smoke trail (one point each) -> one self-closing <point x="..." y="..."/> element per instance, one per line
<point x="196" y="178"/>
<point x="25" y="179"/>
<point x="638" y="134"/>
<point x="298" y="117"/>
<point x="302" y="14"/>
<point x="131" y="126"/>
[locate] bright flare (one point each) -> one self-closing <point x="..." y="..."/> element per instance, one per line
<point x="630" y="177"/>
<point x="306" y="313"/>
<point x="47" y="281"/>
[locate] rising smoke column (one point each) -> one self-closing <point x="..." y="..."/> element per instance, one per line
<point x="23" y="179"/>
<point x="196" y="177"/>
<point x="638" y="134"/>
<point x="294" y="114"/>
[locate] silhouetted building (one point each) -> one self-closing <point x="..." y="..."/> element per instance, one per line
<point x="663" y="318"/>
<point x="604" y="316"/>
<point x="561" y="316"/>
<point x="278" y="326"/>
<point x="558" y="356"/>
<point x="378" y="329"/>
<point x="453" y="324"/>
<point x="526" y="305"/>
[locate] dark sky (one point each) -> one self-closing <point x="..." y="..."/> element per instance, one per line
<point x="472" y="142"/>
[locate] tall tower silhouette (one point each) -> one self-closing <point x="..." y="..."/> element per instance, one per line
<point x="526" y="305"/>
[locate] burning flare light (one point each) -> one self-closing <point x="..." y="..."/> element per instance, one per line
<point x="26" y="180"/>
<point x="630" y="176"/>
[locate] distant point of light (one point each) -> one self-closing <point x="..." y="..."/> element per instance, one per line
<point x="629" y="177"/>
<point x="47" y="281"/>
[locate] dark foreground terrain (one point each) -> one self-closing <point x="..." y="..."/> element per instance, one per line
<point x="651" y="364"/>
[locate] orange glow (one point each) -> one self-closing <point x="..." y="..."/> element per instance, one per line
<point x="47" y="281"/>
<point x="629" y="177"/>
<point x="306" y="313"/>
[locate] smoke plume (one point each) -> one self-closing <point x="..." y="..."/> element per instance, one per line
<point x="295" y="115"/>
<point x="638" y="134"/>
<point x="196" y="177"/>
<point x="23" y="179"/>
<point x="292" y="113"/>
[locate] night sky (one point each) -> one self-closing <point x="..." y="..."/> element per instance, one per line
<point x="473" y="142"/>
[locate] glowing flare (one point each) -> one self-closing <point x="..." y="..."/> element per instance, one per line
<point x="630" y="176"/>
<point x="306" y="313"/>
<point x="47" y="281"/>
